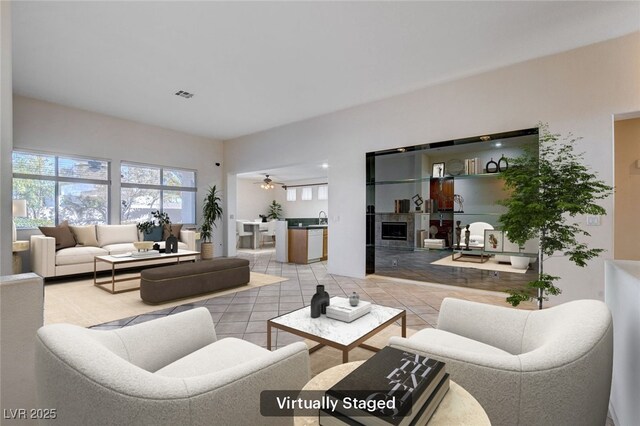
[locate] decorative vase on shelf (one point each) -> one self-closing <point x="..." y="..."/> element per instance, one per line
<point x="354" y="299"/>
<point x="319" y="302"/>
<point x="503" y="164"/>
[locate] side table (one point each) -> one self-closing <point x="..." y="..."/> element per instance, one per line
<point x="458" y="407"/>
<point x="18" y="246"/>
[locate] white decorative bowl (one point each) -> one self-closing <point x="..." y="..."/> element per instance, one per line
<point x="143" y="245"/>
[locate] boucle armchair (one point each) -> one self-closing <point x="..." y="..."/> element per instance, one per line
<point x="546" y="367"/>
<point x="169" y="371"/>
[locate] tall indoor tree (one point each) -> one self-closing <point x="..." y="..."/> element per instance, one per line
<point x="211" y="212"/>
<point x="548" y="187"/>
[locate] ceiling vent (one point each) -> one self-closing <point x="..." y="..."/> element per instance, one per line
<point x="184" y="94"/>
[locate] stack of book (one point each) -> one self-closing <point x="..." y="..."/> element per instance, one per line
<point x="144" y="254"/>
<point x="341" y="310"/>
<point x="393" y="387"/>
<point x="472" y="166"/>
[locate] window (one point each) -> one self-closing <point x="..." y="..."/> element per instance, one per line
<point x="145" y="188"/>
<point x="307" y="193"/>
<point x="291" y="194"/>
<point x="323" y="192"/>
<point x="58" y="188"/>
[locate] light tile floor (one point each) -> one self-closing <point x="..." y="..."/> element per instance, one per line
<point x="244" y="314"/>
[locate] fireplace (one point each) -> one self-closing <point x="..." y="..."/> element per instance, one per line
<point x="394" y="231"/>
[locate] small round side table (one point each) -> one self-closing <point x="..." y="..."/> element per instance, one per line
<point x="457" y="407"/>
<point x="18" y="246"/>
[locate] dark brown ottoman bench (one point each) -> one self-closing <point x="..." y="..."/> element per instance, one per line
<point x="172" y="282"/>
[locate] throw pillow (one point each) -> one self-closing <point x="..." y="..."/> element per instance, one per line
<point x="85" y="235"/>
<point x="154" y="235"/>
<point x="175" y="231"/>
<point x="62" y="233"/>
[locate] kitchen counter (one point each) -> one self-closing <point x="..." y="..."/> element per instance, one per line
<point x="309" y="227"/>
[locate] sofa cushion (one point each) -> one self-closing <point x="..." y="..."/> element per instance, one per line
<point x="114" y="234"/>
<point x="119" y="248"/>
<point x="85" y="235"/>
<point x="62" y="233"/>
<point x="443" y="338"/>
<point x="175" y="231"/>
<point x="217" y="356"/>
<point x="78" y="254"/>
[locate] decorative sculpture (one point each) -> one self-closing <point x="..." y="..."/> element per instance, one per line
<point x="319" y="302"/>
<point x="467" y="234"/>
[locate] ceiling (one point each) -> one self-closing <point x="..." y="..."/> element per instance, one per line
<point x="258" y="65"/>
<point x="290" y="174"/>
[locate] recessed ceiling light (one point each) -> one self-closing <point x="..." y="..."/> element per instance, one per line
<point x="325" y="166"/>
<point x="402" y="149"/>
<point x="485" y="138"/>
<point x="184" y="94"/>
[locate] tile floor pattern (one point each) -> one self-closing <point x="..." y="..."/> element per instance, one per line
<point x="244" y="313"/>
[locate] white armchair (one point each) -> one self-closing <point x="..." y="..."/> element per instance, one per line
<point x="269" y="232"/>
<point x="169" y="371"/>
<point x="240" y="232"/>
<point x="547" y="367"/>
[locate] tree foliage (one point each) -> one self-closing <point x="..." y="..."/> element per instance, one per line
<point x="549" y="187"/>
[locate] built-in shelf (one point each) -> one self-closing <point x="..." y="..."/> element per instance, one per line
<point x="428" y="178"/>
<point x="478" y="214"/>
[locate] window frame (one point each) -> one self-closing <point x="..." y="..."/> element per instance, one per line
<point x="306" y="191"/>
<point x="162" y="188"/>
<point x="56" y="178"/>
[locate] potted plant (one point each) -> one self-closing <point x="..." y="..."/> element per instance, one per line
<point x="275" y="210"/>
<point x="548" y="187"/>
<point x="211" y="212"/>
<point x="152" y="229"/>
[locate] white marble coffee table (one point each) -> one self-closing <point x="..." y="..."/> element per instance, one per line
<point x="337" y="334"/>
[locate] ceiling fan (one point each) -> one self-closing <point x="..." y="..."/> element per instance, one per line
<point x="268" y="183"/>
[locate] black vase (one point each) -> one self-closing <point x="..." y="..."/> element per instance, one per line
<point x="171" y="245"/>
<point x="319" y="302"/>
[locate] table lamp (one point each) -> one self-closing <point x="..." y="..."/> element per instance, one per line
<point x="19" y="210"/>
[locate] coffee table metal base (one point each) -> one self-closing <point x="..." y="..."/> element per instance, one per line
<point x="468" y="257"/>
<point x="104" y="285"/>
<point x="344" y="348"/>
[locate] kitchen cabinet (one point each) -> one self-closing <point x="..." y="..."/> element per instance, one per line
<point x="307" y="244"/>
<point x="325" y="244"/>
<point x="298" y="247"/>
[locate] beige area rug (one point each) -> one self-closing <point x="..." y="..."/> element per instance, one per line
<point x="489" y="265"/>
<point x="328" y="357"/>
<point x="80" y="302"/>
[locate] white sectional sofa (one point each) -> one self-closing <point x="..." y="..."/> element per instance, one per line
<point x="111" y="239"/>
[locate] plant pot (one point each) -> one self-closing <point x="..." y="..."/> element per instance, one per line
<point x="206" y="251"/>
<point x="519" y="262"/>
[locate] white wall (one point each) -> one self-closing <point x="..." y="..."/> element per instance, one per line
<point x="576" y="91"/>
<point x="253" y="200"/>
<point x="6" y="138"/>
<point x="48" y="127"/>
<point x="303" y="209"/>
